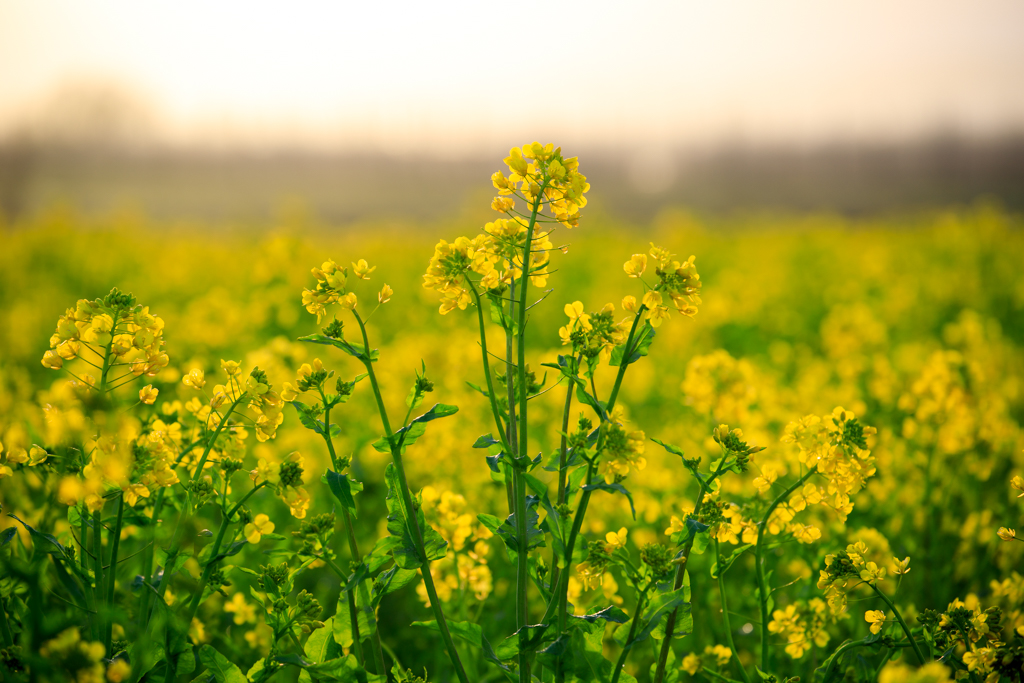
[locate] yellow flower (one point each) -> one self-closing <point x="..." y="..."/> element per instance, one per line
<point x="385" y="294"/>
<point x="900" y="567"/>
<point x="243" y="611"/>
<point x="636" y="265"/>
<point x="255" y="529"/>
<point x="195" y="379"/>
<point x="616" y="539"/>
<point x="119" y="671"/>
<point x="872" y="572"/>
<point x="362" y="269"/>
<point x="134" y="492"/>
<point x="298" y="501"/>
<point x="37" y="455"/>
<point x="657" y="315"/>
<point x="349" y="301"/>
<point x="652" y="299"/>
<point x="767" y="478"/>
<point x="52" y="360"/>
<point x="502" y="204"/>
<point x="576" y="313"/>
<point x="1006" y="534"/>
<point x="876" y="618"/>
<point x="1018" y="483"/>
<point x="691" y="664"/>
<point x="629" y="303"/>
<point x="230" y="367"/>
<point x="17" y="456"/>
<point x="148" y="394"/>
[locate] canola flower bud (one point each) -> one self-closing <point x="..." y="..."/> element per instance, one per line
<point x="1006" y="533"/>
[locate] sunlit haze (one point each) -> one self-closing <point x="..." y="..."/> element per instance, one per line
<point x="455" y="76"/>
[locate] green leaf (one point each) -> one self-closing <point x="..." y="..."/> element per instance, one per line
<point x="390" y="581"/>
<point x="321" y="645"/>
<point x="534" y="534"/>
<point x="406" y="554"/>
<point x="407" y="436"/>
<point x="641" y="347"/>
<point x="660" y="606"/>
<point x="611" y="613"/>
<point x="345" y="346"/>
<point x="727" y="562"/>
<point x="342" y="626"/>
<point x="613" y="488"/>
<point x="342" y="487"/>
<point x="308" y="418"/>
<point x="669" y="447"/>
<point x="469" y="632"/>
<point x="43" y="544"/>
<point x="219" y="667"/>
<point x="583" y="397"/>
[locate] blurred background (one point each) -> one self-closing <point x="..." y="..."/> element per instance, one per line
<point x="401" y="110"/>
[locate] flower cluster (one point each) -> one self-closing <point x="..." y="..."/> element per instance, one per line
<point x="497" y="257"/>
<point x="677" y="281"/>
<point x="593" y="335"/>
<point x="802" y="625"/>
<point x="540" y="172"/>
<point x="115" y="330"/>
<point x="465" y="568"/>
<point x="850" y="568"/>
<point x="837" y="446"/>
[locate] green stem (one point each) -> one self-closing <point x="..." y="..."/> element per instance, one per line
<point x="518" y="481"/>
<point x="353" y="614"/>
<point x="197" y="597"/>
<point x="182" y="513"/>
<point x="563" y="454"/>
<point x="560" y="598"/>
<point x="97" y="569"/>
<point x="725" y="613"/>
<point x="762" y="581"/>
<point x="677" y="583"/>
<point x="353" y="547"/>
<point x="903" y="624"/>
<point x="621" y="663"/>
<point x="410" y="511"/>
<point x="5" y="626"/>
<point x="83" y="534"/>
<point x="115" y="544"/>
<point x="495" y="412"/>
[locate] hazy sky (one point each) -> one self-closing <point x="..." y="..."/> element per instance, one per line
<point x="448" y="75"/>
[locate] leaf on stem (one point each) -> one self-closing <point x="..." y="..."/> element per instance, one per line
<point x="406" y="554"/>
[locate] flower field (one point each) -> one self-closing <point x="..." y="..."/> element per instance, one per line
<point x="317" y="453"/>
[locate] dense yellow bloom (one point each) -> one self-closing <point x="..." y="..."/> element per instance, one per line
<point x="255" y="529"/>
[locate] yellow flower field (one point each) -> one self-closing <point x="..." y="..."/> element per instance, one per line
<point x="741" y="449"/>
